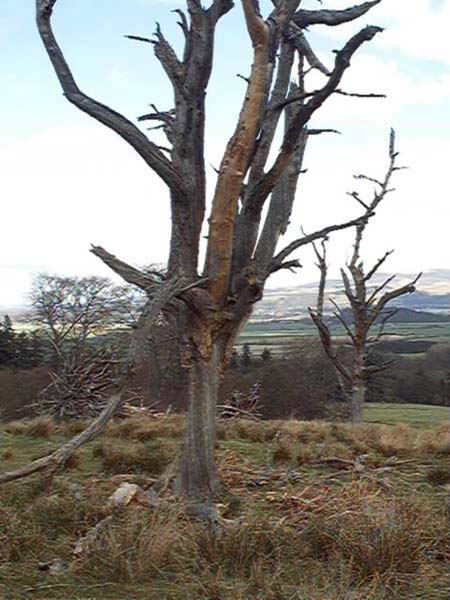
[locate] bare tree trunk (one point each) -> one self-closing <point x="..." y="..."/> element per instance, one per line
<point x="357" y="397"/>
<point x="198" y="474"/>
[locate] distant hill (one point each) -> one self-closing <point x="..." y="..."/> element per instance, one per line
<point x="425" y="301"/>
<point x="291" y="303"/>
<point x="431" y="300"/>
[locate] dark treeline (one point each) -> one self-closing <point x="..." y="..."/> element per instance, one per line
<point x="299" y="383"/>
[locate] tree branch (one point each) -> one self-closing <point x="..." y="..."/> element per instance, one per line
<point x="304" y="113"/>
<point x="290" y="265"/>
<point x="320" y="131"/>
<point x="236" y="160"/>
<point x="325" y="337"/>
<point x="340" y="317"/>
<point x="377" y="265"/>
<point x="302" y="45"/>
<point x="105" y="115"/>
<point x="359" y="95"/>
<point x="219" y="8"/>
<point x="166" y="55"/>
<point x="308" y="239"/>
<point x="127" y="272"/>
<point x="323" y="268"/>
<point x="408" y="288"/>
<point x="305" y="18"/>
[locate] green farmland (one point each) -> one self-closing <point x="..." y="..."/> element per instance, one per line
<point x="415" y="415"/>
<point x="279" y="336"/>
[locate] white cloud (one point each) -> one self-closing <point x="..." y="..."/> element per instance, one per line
<point x="73" y="187"/>
<point x="372" y="74"/>
<point x="417" y="29"/>
<point x="413" y="220"/>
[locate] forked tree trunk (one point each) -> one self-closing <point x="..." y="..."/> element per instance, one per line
<point x="231" y="283"/>
<point x="197" y="475"/>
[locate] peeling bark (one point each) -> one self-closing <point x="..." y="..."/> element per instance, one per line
<point x="197" y="474"/>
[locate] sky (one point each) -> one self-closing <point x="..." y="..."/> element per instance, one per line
<point x="67" y="182"/>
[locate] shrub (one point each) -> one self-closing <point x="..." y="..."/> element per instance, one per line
<point x="20" y="537"/>
<point x="151" y="457"/>
<point x="138" y="547"/>
<point x="378" y="538"/>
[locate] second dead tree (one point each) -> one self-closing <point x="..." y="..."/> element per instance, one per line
<point x="368" y="303"/>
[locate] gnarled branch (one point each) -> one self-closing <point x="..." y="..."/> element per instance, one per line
<point x="127" y="272"/>
<point x="308" y="239"/>
<point x="305" y="18"/>
<point x="105" y="115"/>
<point x="304" y="113"/>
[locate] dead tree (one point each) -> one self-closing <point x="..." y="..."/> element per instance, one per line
<point x="368" y="303"/>
<point x="241" y="250"/>
<point x="74" y="316"/>
<point x="162" y="294"/>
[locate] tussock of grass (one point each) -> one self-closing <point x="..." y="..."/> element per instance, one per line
<point x="378" y="538"/>
<point x="150" y="457"/>
<point x="20" y="537"/>
<point x="7" y="455"/>
<point x="138" y="547"/>
<point x="147" y="428"/>
<point x="439" y="475"/>
<point x="34" y="428"/>
<point x="282" y="449"/>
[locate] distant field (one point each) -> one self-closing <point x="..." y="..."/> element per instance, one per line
<point x="416" y="415"/>
<point x="279" y="336"/>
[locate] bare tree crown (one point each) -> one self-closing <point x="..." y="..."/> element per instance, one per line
<point x="240" y="249"/>
<point x="241" y="253"/>
<point x="368" y="303"/>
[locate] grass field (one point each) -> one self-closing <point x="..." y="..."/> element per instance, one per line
<point x="416" y="415"/>
<point x="280" y="336"/>
<point x="309" y="511"/>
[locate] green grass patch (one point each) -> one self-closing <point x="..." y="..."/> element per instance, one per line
<point x="416" y="415"/>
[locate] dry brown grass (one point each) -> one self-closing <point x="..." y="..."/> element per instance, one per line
<point x="20" y="538"/>
<point x="328" y="535"/>
<point x="139" y="546"/>
<point x="39" y="427"/>
<point x="150" y="457"/>
<point x="144" y="428"/>
<point x="380" y="539"/>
